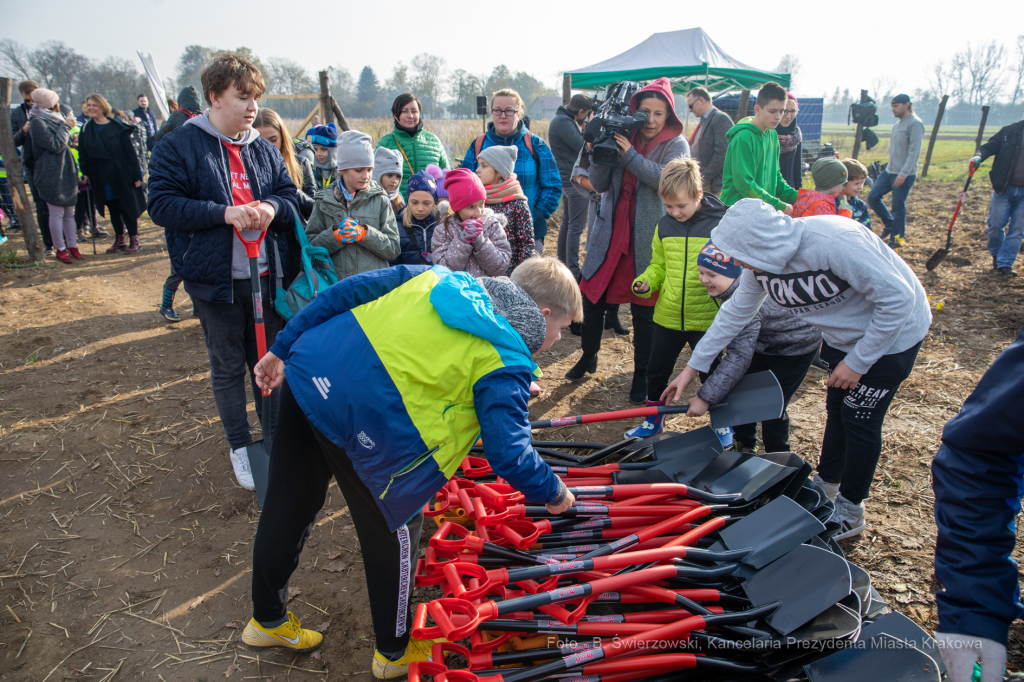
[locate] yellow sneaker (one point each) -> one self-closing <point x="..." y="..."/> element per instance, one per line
<point x="416" y="650"/>
<point x="287" y="635"/>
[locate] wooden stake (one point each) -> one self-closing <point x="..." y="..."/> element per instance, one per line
<point x="15" y="177"/>
<point x="327" y="113"/>
<point x="981" y="129"/>
<point x="741" y="110"/>
<point x="342" y="121"/>
<point x="566" y="89"/>
<point x="935" y="134"/>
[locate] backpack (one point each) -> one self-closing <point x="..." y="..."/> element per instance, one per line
<point x="527" y="138"/>
<point x="865" y="113"/>
<point x="316" y="275"/>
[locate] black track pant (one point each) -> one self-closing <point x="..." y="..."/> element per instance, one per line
<point x="643" y="331"/>
<point x="853" y="427"/>
<point x="790" y="371"/>
<point x="302" y="463"/>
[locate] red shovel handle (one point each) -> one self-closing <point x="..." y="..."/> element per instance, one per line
<point x="252" y="248"/>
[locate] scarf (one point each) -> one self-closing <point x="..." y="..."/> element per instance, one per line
<point x="790" y="137"/>
<point x="510" y="190"/>
<point x="411" y="132"/>
<point x="38" y="112"/>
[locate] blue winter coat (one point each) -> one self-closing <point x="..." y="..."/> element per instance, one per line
<point x="543" y="188"/>
<point x="978" y="479"/>
<point x="415" y="240"/>
<point x="189" y="191"/>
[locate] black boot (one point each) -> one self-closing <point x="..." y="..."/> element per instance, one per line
<point x="638" y="389"/>
<point x="585" y="365"/>
<point x="611" y="321"/>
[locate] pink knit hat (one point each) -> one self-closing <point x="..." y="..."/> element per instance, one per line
<point x="45" y="99"/>
<point x="464" y="188"/>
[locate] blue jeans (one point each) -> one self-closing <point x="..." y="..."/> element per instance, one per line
<point x="895" y="222"/>
<point x="229" y="330"/>
<point x="1006" y="208"/>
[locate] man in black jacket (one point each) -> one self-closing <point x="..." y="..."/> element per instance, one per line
<point x="566" y="141"/>
<point x="19" y="128"/>
<point x="144" y="114"/>
<point x="1007" y="176"/>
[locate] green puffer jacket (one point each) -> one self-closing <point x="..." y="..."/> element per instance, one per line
<point x="684" y="303"/>
<point x="372" y="208"/>
<point x="423" y="149"/>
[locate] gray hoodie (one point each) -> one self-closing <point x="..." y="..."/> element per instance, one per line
<point x="239" y="259"/>
<point x="827" y="270"/>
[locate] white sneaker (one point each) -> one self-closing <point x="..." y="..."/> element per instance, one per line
<point x="240" y="463"/>
<point x="831" y="489"/>
<point x="850" y="517"/>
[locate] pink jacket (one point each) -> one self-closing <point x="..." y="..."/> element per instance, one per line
<point x="488" y="257"/>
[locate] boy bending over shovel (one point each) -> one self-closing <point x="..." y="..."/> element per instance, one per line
<point x="387" y="379"/>
<point x="868" y="304"/>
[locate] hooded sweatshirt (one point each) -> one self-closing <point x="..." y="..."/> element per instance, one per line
<point x="826" y="270"/>
<point x="752" y="167"/>
<point x="188" y="106"/>
<point x="618" y="252"/>
<point x="239" y="181"/>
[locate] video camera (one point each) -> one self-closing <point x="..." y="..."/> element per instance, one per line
<point x="613" y="116"/>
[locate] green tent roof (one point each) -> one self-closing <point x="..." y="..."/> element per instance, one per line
<point x="688" y="57"/>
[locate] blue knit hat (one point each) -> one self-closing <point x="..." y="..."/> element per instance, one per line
<point x="423" y="182"/>
<point x="716" y="261"/>
<point x="325" y="136"/>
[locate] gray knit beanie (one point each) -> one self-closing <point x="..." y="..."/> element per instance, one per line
<point x="386" y="161"/>
<point x="513" y="303"/>
<point x="355" y="150"/>
<point x="501" y="159"/>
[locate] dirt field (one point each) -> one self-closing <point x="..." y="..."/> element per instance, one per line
<point x="126" y="543"/>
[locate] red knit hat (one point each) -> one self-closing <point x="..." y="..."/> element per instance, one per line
<point x="464" y="188"/>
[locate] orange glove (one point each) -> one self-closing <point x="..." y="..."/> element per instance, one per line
<point x="349" y="231"/>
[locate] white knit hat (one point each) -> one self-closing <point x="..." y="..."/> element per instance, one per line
<point x="355" y="150"/>
<point x="386" y="161"/>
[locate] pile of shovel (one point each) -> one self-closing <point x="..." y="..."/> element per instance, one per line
<point x="678" y="561"/>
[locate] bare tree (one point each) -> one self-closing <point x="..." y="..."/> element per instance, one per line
<point x="14" y="60"/>
<point x="883" y="89"/>
<point x="985" y="67"/>
<point x="428" y="81"/>
<point x="288" y="77"/>
<point x="1017" y="72"/>
<point x="790" y="63"/>
<point x="59" y="67"/>
<point x="938" y="79"/>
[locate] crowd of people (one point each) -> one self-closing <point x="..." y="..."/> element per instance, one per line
<point x="711" y="239"/>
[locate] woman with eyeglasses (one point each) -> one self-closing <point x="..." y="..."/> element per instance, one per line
<point x="418" y="147"/>
<point x="791" y="149"/>
<point x="536" y="175"/>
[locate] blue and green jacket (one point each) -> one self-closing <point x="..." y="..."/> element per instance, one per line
<point x="405" y="368"/>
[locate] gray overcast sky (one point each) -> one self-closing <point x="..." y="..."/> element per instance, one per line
<point x="849" y="45"/>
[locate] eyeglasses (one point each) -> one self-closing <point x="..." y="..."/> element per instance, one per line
<point x="790" y="111"/>
<point x="507" y="113"/>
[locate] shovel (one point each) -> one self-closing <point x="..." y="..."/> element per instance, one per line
<point x="884" y="659"/>
<point x="755" y="398"/>
<point x="259" y="450"/>
<point x="940" y="254"/>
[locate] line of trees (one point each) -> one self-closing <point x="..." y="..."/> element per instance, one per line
<point x="444" y="92"/>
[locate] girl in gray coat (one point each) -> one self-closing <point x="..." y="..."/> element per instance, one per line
<point x="55" y="173"/>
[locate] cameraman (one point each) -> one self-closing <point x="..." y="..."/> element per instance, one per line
<point x="566" y="141"/>
<point x="619" y="248"/>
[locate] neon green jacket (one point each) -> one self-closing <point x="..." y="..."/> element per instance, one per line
<point x="684" y="303"/>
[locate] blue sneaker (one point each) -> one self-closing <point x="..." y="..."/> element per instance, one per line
<point x="170" y="314"/>
<point x="3" y="239"/>
<point x="651" y="426"/>
<point x="725" y="435"/>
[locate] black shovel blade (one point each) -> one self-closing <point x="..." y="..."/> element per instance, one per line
<point x="791" y="459"/>
<point x="936" y="259"/>
<point x="835" y="622"/>
<point x="773" y="530"/>
<point x="750" y="479"/>
<point x="899" y="626"/>
<point x="807" y="581"/>
<point x="259" y="464"/>
<point x="886" y="659"/>
<point x="679" y="457"/>
<point x="755" y="398"/>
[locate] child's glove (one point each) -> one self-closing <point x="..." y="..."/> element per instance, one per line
<point x="471" y="230"/>
<point x="844" y="208"/>
<point x="349" y="231"/>
<point x="974" y="162"/>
